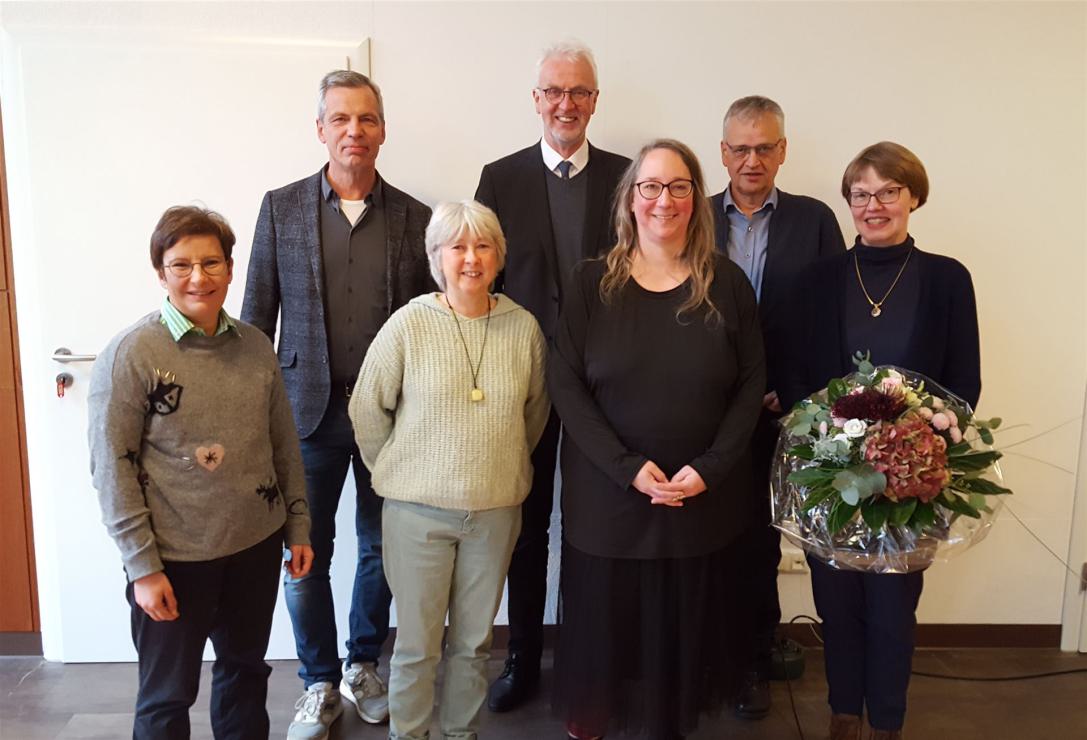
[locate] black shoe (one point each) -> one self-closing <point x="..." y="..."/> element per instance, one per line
<point x="754" y="699"/>
<point x="516" y="685"/>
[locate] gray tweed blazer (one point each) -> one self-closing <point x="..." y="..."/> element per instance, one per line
<point x="286" y="281"/>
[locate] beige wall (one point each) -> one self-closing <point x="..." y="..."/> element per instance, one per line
<point x="991" y="96"/>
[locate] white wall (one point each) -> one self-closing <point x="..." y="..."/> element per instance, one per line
<point x="113" y="112"/>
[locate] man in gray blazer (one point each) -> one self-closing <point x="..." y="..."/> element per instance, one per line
<point x="333" y="256"/>
<point x="774" y="237"/>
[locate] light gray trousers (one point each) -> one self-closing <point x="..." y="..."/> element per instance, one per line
<point x="439" y="562"/>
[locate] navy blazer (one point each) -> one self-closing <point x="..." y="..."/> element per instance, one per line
<point x="802" y="230"/>
<point x="286" y="282"/>
<point x="514" y="187"/>
<point x="944" y="344"/>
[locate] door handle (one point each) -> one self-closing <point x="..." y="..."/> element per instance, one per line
<point x="63" y="354"/>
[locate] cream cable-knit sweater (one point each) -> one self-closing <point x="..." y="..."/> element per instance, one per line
<point x="420" y="434"/>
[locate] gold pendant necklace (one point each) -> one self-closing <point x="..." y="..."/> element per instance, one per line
<point x="876" y="310"/>
<point x="476" y="394"/>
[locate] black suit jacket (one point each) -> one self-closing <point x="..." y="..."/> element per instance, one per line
<point x="286" y="281"/>
<point x="944" y="344"/>
<point x="802" y="230"/>
<point x="515" y="188"/>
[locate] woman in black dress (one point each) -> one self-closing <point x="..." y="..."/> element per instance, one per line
<point x="658" y="376"/>
<point x="908" y="308"/>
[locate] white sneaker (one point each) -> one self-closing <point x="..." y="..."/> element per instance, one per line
<point x="316" y="709"/>
<point x="364" y="688"/>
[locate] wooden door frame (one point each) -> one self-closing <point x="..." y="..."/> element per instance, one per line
<point x="22" y="640"/>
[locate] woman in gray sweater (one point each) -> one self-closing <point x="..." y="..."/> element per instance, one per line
<point x="447" y="409"/>
<point x="199" y="476"/>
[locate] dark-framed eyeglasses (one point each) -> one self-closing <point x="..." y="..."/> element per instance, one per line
<point x="213" y="266"/>
<point x="555" y="94"/>
<point x="886" y="196"/>
<point x="762" y="151"/>
<point x="651" y="189"/>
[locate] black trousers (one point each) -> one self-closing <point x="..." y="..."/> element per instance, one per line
<point x="527" y="575"/>
<point x="868" y="636"/>
<point x="761" y="549"/>
<point x="230" y="600"/>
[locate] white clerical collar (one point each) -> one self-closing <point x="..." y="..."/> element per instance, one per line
<point x="579" y="160"/>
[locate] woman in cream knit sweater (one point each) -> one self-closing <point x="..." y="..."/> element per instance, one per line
<point x="448" y="406"/>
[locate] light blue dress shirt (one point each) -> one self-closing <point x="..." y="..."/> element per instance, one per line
<point x="748" y="237"/>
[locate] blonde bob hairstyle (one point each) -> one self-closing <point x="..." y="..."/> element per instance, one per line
<point x="450" y="221"/>
<point x="697" y="255"/>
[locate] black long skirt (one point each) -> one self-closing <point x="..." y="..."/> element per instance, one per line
<point x="646" y="646"/>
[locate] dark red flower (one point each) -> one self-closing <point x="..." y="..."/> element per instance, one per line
<point x="869" y="405"/>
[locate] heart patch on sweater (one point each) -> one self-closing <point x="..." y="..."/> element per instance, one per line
<point x="210" y="457"/>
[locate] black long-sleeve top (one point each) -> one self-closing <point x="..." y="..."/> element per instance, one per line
<point x="632" y="383"/>
<point x="940" y="339"/>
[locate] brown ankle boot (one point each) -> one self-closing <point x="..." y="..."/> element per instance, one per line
<point x="844" y="727"/>
<point x="874" y="734"/>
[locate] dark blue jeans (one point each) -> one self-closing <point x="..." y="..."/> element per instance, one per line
<point x="327" y="454"/>
<point x="868" y="634"/>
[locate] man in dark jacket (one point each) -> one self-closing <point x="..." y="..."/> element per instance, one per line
<point x="554" y="201"/>
<point x="773" y="236"/>
<point x="333" y="256"/>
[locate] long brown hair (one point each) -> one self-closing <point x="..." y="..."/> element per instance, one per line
<point x="697" y="255"/>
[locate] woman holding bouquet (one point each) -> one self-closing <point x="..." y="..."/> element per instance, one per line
<point x="658" y="374"/>
<point x="908" y="308"/>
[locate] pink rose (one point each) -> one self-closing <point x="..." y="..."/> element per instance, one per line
<point x="937" y="403"/>
<point x="925" y="412"/>
<point x="952" y="417"/>
<point x="956" y="435"/>
<point x="940" y="421"/>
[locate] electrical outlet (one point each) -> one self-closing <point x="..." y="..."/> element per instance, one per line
<point x="793" y="561"/>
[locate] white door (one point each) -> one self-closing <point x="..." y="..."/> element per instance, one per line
<point x="104" y="131"/>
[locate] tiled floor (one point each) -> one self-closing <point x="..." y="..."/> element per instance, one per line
<point x="41" y="700"/>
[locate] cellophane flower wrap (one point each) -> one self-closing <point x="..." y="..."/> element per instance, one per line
<point x="885" y="471"/>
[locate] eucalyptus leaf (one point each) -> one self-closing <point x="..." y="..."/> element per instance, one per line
<point x="986" y="435"/>
<point x="977" y="500"/>
<point x="851" y="495"/>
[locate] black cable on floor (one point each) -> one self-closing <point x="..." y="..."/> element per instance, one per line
<point x="950" y="676"/>
<point x="1025" y="677"/>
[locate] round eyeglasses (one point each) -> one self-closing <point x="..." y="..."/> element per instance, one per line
<point x="182" y="268"/>
<point x="886" y="196"/>
<point x="651" y="189"/>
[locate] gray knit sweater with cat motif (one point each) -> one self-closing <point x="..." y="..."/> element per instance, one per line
<point x="193" y="446"/>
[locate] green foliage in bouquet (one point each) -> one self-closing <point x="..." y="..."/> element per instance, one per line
<point x="878" y="444"/>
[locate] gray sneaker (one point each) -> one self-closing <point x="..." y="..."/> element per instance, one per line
<point x="316" y="710"/>
<point x="364" y="688"/>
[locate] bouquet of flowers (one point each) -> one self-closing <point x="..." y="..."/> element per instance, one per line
<point x="883" y="471"/>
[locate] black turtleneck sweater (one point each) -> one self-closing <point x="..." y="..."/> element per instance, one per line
<point x="929" y="322"/>
<point x="886" y="336"/>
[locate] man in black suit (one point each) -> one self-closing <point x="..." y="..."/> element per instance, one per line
<point x="773" y="236"/>
<point x="334" y="255"/>
<point x="553" y="200"/>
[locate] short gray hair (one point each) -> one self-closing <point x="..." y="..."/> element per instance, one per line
<point x="347" y="78"/>
<point x="450" y="220"/>
<point x="751" y="107"/>
<point x="570" y="50"/>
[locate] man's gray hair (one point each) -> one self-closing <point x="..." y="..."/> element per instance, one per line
<point x="570" y="50"/>
<point x="347" y="78"/>
<point x="450" y="220"/>
<point x="751" y="107"/>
